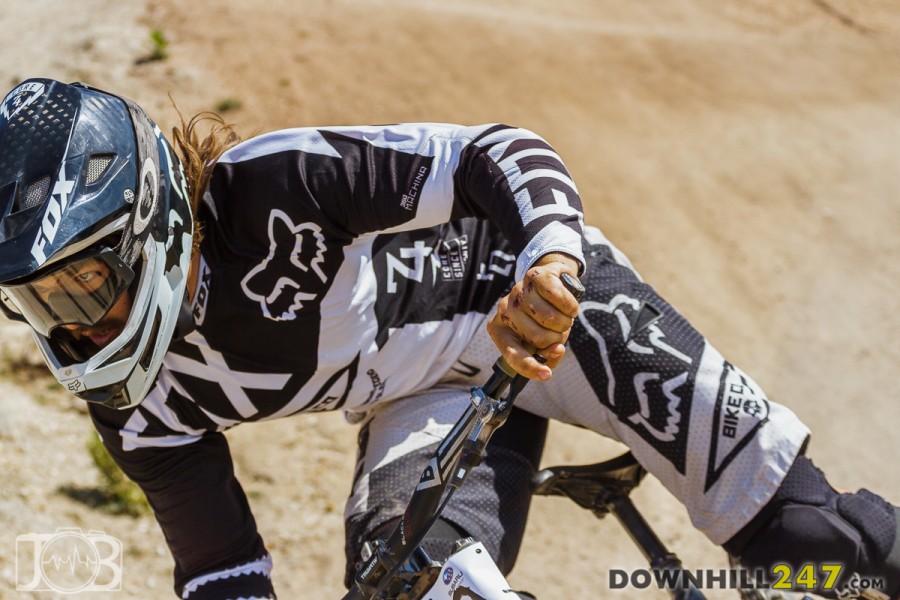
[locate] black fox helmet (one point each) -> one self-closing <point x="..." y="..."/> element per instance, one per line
<point x="93" y="208"/>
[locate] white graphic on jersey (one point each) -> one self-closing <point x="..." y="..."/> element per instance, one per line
<point x="233" y="383"/>
<point x="318" y="395"/>
<point x="334" y="393"/>
<point x="409" y="199"/>
<point x="21" y="97"/>
<point x="133" y="437"/>
<point x="281" y="290"/>
<point x="260" y="566"/>
<point x="419" y="252"/>
<point x="518" y="180"/>
<point x="499" y="263"/>
<point x="454" y="257"/>
<point x="616" y="307"/>
<point x="59" y="200"/>
<point x="134" y="434"/>
<point x="560" y="207"/>
<point x="203" y="282"/>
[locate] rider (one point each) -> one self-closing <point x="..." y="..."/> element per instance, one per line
<point x="354" y="268"/>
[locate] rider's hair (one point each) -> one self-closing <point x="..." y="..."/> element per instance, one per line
<point x="199" y="154"/>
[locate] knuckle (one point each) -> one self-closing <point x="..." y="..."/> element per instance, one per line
<point x="558" y="322"/>
<point x="560" y="325"/>
<point x="553" y="294"/>
<point x="545" y="338"/>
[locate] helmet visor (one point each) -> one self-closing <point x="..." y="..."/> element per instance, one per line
<point x="80" y="292"/>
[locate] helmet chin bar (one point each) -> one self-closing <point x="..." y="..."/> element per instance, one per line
<point x="77" y="350"/>
<point x="120" y="375"/>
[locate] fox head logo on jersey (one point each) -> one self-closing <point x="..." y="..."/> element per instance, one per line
<point x="292" y="272"/>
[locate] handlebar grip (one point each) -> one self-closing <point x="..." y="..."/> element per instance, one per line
<point x="573" y="285"/>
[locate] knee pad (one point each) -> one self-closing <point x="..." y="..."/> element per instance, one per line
<point x="807" y="521"/>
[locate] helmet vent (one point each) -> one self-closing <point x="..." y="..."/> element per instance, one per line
<point x="97" y="166"/>
<point x="37" y="193"/>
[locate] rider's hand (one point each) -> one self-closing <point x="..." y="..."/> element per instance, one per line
<point x="539" y="311"/>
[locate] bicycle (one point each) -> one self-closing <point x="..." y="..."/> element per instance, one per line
<point x="399" y="569"/>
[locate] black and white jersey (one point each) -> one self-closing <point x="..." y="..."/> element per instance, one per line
<point x="339" y="267"/>
<point x="343" y="266"/>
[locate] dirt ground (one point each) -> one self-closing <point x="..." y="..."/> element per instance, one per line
<point x="743" y="153"/>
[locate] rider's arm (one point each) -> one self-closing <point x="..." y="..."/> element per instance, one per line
<point x="518" y="181"/>
<point x="200" y="506"/>
<point x="347" y="182"/>
<point x="352" y="181"/>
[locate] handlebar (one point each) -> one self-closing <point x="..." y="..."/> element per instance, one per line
<point x="459" y="453"/>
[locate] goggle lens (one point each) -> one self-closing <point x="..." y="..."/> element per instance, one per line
<point x="81" y="292"/>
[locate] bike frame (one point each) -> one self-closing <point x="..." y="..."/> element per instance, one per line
<point x="605" y="488"/>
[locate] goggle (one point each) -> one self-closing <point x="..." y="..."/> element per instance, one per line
<point x="80" y="292"/>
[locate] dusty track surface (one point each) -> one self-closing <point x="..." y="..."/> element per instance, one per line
<point x="743" y="153"/>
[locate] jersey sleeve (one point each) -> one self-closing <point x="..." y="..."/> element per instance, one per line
<point x="384" y="179"/>
<point x="189" y="482"/>
<point x="514" y="178"/>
